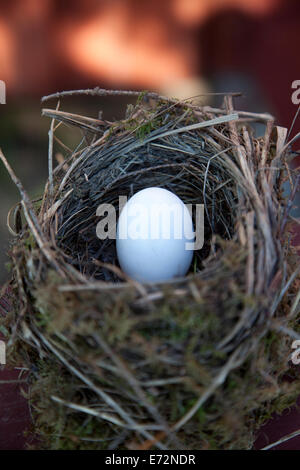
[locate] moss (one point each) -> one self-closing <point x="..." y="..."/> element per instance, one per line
<point x="29" y="241"/>
<point x="141" y="97"/>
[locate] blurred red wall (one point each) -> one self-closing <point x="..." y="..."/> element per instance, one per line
<point x="50" y="45"/>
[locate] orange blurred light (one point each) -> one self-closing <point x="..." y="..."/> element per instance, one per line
<point x="7" y="47"/>
<point x="139" y="52"/>
<point x="149" y="46"/>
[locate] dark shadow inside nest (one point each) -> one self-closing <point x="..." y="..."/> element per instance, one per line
<point x="102" y="180"/>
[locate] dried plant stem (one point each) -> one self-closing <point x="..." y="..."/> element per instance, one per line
<point x="141" y="396"/>
<point x="106" y="416"/>
<point x="234" y="361"/>
<point x="103" y="92"/>
<point x="31" y="217"/>
<point x="50" y="154"/>
<point x="107" y="398"/>
<point x="282" y="440"/>
<point x="285" y="331"/>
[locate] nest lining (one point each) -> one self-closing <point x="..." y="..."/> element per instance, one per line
<point x="153" y="360"/>
<point x="191" y="164"/>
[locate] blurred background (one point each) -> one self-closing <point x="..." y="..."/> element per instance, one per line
<point x="179" y="48"/>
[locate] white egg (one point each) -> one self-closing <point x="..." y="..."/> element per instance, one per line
<point x="155" y="236"/>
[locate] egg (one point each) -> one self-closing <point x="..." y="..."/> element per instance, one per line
<point x="154" y="236"/>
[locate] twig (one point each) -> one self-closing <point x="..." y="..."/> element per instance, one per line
<point x="255" y="116"/>
<point x="132" y="93"/>
<point x="289" y="204"/>
<point x="2" y="382"/>
<point x="106" y="416"/>
<point x="31" y="216"/>
<point x="198" y="125"/>
<point x="125" y="372"/>
<point x="293" y="122"/>
<point x="285" y="330"/>
<point x="234" y="361"/>
<point x="50" y="155"/>
<point x="110" y="401"/>
<point x="74" y="119"/>
<point x="282" y="439"/>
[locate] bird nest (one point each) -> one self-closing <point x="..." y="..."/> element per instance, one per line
<point x="192" y="363"/>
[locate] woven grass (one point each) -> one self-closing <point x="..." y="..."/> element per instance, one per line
<point x="194" y="363"/>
